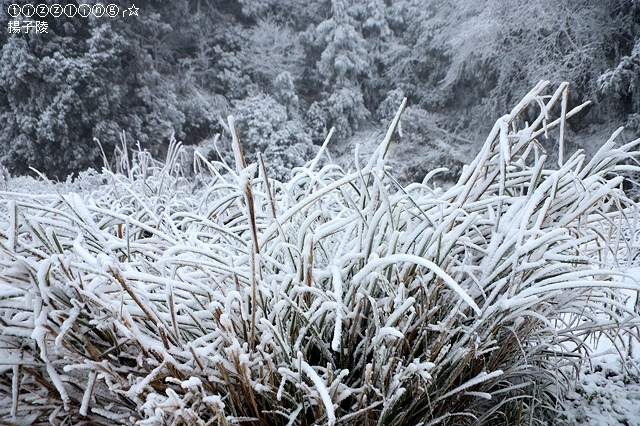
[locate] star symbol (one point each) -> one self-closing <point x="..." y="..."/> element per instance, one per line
<point x="133" y="10"/>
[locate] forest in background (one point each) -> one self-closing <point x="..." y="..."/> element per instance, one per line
<point x="289" y="70"/>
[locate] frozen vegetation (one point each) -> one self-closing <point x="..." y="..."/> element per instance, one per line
<point x="290" y="70"/>
<point x="151" y="295"/>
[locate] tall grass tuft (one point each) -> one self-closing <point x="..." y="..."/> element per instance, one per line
<point x="334" y="298"/>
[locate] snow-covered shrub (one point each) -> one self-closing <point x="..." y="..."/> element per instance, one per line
<point x="344" y="109"/>
<point x="388" y="106"/>
<point x="267" y="127"/>
<point x="333" y="298"/>
<point x="285" y="91"/>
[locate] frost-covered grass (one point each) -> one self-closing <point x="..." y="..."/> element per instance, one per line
<point x="334" y="298"/>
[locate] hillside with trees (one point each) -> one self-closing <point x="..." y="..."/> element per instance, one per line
<point x="292" y="69"/>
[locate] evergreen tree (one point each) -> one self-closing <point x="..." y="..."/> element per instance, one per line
<point x="342" y="65"/>
<point x="90" y="78"/>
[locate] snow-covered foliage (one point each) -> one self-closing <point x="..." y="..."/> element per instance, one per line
<point x="621" y="85"/>
<point x="344" y="110"/>
<point x="344" y="52"/>
<point x="333" y="298"/>
<point x="267" y="127"/>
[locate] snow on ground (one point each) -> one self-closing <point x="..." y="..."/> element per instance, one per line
<point x="606" y="394"/>
<point x="607" y="391"/>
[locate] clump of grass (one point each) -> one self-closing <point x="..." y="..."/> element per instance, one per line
<point x="333" y="298"/>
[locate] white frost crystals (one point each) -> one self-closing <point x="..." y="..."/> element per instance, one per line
<point x="334" y="298"/>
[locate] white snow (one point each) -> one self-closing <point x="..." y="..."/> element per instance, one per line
<point x="314" y="300"/>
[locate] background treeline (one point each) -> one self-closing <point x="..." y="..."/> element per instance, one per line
<point x="291" y="69"/>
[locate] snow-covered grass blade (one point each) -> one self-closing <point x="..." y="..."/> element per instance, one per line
<point x="334" y="298"/>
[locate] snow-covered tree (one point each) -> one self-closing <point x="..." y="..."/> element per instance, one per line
<point x="267" y="127"/>
<point x="344" y="56"/>
<point x="285" y="91"/>
<point x="93" y="78"/>
<point x="343" y="109"/>
<point x="271" y="49"/>
<point x="481" y="55"/>
<point x="622" y="84"/>
<point x="57" y="95"/>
